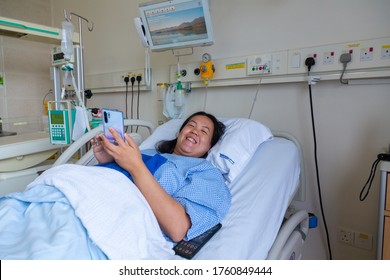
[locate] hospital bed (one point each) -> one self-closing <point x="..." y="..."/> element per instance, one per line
<point x="256" y="226"/>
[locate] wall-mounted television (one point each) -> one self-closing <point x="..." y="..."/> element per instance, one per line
<point x="176" y="24"/>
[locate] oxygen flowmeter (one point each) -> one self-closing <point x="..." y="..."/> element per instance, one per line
<point x="207" y="68"/>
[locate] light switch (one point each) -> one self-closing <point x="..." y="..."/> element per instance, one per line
<point x="295" y="60"/>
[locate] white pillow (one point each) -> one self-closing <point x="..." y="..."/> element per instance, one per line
<point x="166" y="131"/>
<point x="232" y="152"/>
<point x="237" y="145"/>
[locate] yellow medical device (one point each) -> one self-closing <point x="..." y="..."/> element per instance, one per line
<point x="206" y="68"/>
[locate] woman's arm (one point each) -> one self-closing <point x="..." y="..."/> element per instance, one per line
<point x="170" y="214"/>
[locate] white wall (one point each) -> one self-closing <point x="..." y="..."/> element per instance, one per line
<point x="352" y="122"/>
<point x="26" y="69"/>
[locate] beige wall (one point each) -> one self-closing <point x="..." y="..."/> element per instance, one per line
<point x="352" y="122"/>
<point x="26" y="69"/>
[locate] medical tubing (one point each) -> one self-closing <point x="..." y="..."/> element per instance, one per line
<point x="316" y="166"/>
<point x="147" y="65"/>
<point x="255" y="99"/>
<point x="205" y="97"/>
<point x="81" y="103"/>
<point x="167" y="110"/>
<point x="63" y="93"/>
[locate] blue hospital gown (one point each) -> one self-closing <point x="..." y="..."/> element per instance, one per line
<point x="194" y="182"/>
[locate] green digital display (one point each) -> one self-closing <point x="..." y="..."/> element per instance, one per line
<point x="57" y="118"/>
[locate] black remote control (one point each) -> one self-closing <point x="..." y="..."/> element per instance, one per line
<point x="188" y="249"/>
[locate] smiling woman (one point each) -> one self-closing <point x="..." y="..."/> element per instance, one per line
<point x="186" y="193"/>
<point x="195" y="137"/>
<point x="208" y="124"/>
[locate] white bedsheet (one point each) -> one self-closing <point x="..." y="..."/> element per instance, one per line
<point x="112" y="209"/>
<point x="260" y="197"/>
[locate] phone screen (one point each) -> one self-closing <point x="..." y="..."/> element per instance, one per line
<point x="114" y="119"/>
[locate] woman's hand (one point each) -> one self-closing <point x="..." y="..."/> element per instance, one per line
<point x="126" y="154"/>
<point x="98" y="150"/>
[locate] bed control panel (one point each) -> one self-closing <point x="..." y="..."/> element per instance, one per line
<point x="188" y="249"/>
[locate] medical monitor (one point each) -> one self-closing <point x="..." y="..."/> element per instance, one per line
<point x="176" y="24"/>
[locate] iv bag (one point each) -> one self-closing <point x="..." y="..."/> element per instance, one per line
<point x="66" y="39"/>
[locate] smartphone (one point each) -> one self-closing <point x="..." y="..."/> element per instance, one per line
<point x="113" y="118"/>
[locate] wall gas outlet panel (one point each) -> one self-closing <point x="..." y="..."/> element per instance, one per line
<point x="259" y="65"/>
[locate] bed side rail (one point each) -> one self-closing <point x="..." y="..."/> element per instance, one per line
<point x="294" y="230"/>
<point x="84" y="139"/>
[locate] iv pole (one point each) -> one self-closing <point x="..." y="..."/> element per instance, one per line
<point x="80" y="58"/>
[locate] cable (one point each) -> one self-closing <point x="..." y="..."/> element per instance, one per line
<point x="368" y="184"/>
<point x="132" y="80"/>
<point x="139" y="79"/>
<point x="309" y="62"/>
<point x="344" y="59"/>
<point x="369" y="181"/>
<point x="126" y="79"/>
<point x="255" y="98"/>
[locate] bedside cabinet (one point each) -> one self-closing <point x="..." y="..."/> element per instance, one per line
<point x="383" y="248"/>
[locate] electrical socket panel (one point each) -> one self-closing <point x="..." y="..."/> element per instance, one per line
<point x="385" y="52"/>
<point x="369" y="58"/>
<point x="130" y="74"/>
<point x="328" y="58"/>
<point x="365" y="54"/>
<point x="325" y="58"/>
<point x="346" y="236"/>
<point x="356" y="239"/>
<point x="114" y="81"/>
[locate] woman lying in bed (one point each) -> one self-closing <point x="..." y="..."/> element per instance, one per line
<point x="186" y="193"/>
<point x="95" y="212"/>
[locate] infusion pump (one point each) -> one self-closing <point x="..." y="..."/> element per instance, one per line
<point x="58" y="57"/>
<point x="61" y="119"/>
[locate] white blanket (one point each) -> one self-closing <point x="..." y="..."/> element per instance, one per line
<point x="112" y="209"/>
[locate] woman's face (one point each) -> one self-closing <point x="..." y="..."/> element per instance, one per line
<point x="194" y="139"/>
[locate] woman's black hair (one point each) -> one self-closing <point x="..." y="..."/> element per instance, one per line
<point x="168" y="146"/>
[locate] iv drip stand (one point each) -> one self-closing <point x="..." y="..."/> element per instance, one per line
<point x="80" y="59"/>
